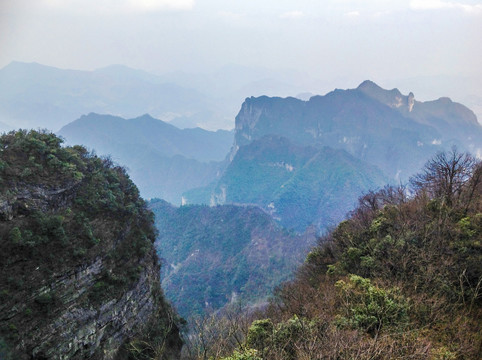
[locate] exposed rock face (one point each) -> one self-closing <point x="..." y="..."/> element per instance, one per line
<point x="24" y="200"/>
<point x="79" y="274"/>
<point x="383" y="127"/>
<point x="82" y="332"/>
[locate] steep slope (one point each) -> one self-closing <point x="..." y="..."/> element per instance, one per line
<point x="394" y="132"/>
<point x="299" y="186"/>
<point x="79" y="274"/>
<point x="217" y="255"/>
<point x="163" y="160"/>
<point x="399" y="279"/>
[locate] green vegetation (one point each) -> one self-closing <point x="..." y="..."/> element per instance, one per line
<point x="400" y="279"/>
<point x="300" y="186"/>
<point x="217" y="255"/>
<point x="63" y="209"/>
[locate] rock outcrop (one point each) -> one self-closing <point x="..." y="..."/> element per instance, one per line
<point x="393" y="131"/>
<point x="79" y="273"/>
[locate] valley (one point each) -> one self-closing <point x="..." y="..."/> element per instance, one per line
<point x="304" y="199"/>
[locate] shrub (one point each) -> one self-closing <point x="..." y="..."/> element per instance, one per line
<point x="248" y="354"/>
<point x="368" y="307"/>
<point x="259" y="334"/>
<point x="15" y="236"/>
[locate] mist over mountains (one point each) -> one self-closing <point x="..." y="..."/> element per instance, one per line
<point x="307" y="162"/>
<point x="34" y="95"/>
<point x="299" y="186"/>
<point x="392" y="131"/>
<point x="162" y="159"/>
<point x="236" y="212"/>
<point x="304" y="163"/>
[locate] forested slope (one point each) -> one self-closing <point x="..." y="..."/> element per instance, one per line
<point x="400" y="279"/>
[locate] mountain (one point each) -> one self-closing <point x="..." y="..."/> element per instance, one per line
<point x="100" y="131"/>
<point x="34" y="95"/>
<point x="306" y="162"/>
<point x="299" y="186"/>
<point x="163" y="160"/>
<point x="453" y="120"/>
<point x="79" y="273"/>
<point x="214" y="256"/>
<point x="394" y="132"/>
<point x="393" y="281"/>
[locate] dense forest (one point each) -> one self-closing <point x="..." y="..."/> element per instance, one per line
<point x="400" y="278"/>
<point x="213" y="256"/>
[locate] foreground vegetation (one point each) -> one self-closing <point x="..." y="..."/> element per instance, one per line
<point x="400" y="279"/>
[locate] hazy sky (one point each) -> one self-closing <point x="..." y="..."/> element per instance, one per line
<point x="358" y="39"/>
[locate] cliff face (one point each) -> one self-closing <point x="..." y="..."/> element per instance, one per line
<point x="364" y="122"/>
<point x="79" y="274"/>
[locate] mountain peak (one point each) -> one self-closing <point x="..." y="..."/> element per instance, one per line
<point x="368" y="84"/>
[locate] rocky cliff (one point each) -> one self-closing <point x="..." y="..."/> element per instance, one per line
<point x="79" y="275"/>
<point x="393" y="131"/>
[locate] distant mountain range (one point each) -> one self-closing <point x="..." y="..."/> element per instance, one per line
<point x="34" y="95"/>
<point x="298" y="164"/>
<point x="39" y="96"/>
<point x="306" y="162"/>
<point x="383" y="127"/>
<point x="217" y="255"/>
<point x="163" y="160"/>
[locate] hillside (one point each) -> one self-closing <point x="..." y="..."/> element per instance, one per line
<point x="400" y="279"/>
<point x="163" y="160"/>
<point x="299" y="186"/>
<point x="214" y="256"/>
<point x="79" y="274"/>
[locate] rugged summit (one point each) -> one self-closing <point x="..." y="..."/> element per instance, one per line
<point x="395" y="132"/>
<point x="79" y="274"/>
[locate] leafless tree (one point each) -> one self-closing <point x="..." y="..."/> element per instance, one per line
<point x="445" y="175"/>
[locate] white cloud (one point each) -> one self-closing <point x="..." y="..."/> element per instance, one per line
<point x="292" y="15"/>
<point x="440" y="5"/>
<point x="121" y="5"/>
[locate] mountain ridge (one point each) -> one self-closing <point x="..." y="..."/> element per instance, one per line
<point x="364" y="121"/>
<point x="292" y="182"/>
<point x="162" y="159"/>
<point x="216" y="256"/>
